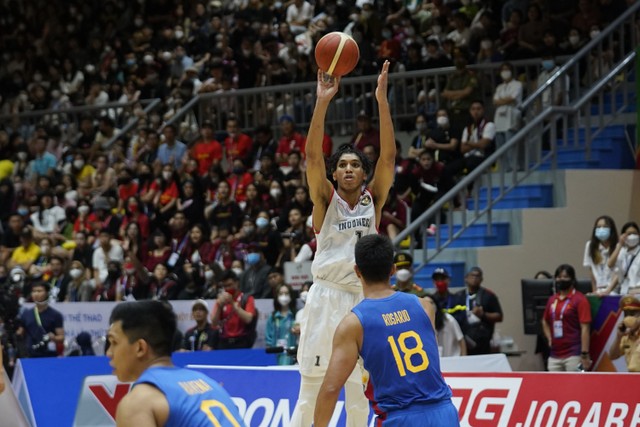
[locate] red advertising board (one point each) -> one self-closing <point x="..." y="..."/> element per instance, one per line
<point x="547" y="399"/>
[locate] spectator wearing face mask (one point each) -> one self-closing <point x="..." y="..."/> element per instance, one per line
<point x="254" y="280"/>
<point x="555" y="94"/>
<point x="404" y="276"/>
<point x="625" y="259"/>
<point x="445" y="299"/>
<point x="604" y="237"/>
<point x="567" y="324"/>
<point x="79" y="287"/>
<point x="506" y="98"/>
<point x="280" y="324"/>
<point x="268" y="238"/>
<point x="573" y="43"/>
<point x="440" y="139"/>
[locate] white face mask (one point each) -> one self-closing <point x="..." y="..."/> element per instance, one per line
<point x="594" y="34"/>
<point x="442" y="121"/>
<point x="208" y="275"/>
<point x="303" y="296"/>
<point x="84" y="209"/>
<point x="275" y="192"/>
<point x="284" y="300"/>
<point x="574" y="40"/>
<point x="505" y="74"/>
<point x="179" y="34"/>
<point x="75" y="273"/>
<point x="166" y="175"/>
<point x="148" y="59"/>
<point x="486" y="44"/>
<point x="78" y="164"/>
<point x="633" y="240"/>
<point x="237" y="271"/>
<point x="403" y="275"/>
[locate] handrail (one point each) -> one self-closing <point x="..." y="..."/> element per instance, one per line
<point x="70" y="110"/>
<point x="349" y="87"/>
<point x="530" y="129"/>
<point x="155" y="102"/>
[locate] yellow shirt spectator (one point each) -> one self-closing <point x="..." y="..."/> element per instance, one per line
<point x="24" y="257"/>
<point x="85" y="173"/>
<point x="6" y="169"/>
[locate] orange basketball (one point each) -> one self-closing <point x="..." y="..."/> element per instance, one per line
<point x="337" y="54"/>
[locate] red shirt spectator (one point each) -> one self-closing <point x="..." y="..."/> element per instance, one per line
<point x="571" y="311"/>
<point x="207" y="151"/>
<point x="238" y="184"/>
<point x="237" y="145"/>
<point x="289" y="141"/>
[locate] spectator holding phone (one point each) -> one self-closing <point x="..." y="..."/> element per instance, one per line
<point x="627" y="341"/>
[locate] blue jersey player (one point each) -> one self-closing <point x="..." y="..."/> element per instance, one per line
<point x="140" y="339"/>
<point x="394" y="334"/>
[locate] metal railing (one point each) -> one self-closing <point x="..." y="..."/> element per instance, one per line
<point x="68" y="119"/>
<point x="545" y="130"/>
<point x="264" y="105"/>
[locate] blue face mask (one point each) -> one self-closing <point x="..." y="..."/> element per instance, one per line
<point x="548" y="64"/>
<point x="253" y="258"/>
<point x="23" y="211"/>
<point x="262" y="222"/>
<point x="603" y="233"/>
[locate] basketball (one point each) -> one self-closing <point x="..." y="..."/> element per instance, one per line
<point x="337" y="54"/>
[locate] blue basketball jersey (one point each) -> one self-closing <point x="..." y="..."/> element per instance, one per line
<point x="400" y="352"/>
<point x="195" y="400"/>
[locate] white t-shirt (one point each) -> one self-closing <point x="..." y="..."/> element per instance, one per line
<point x="100" y="259"/>
<point x="602" y="273"/>
<point x="628" y="263"/>
<point x="507" y="117"/>
<point x="473" y="133"/>
<point x="449" y="337"/>
<point x="50" y="219"/>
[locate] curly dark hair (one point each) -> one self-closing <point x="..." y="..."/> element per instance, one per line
<point x="332" y="163"/>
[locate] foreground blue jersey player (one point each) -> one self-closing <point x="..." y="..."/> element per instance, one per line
<point x="140" y="338"/>
<point x="394" y="334"/>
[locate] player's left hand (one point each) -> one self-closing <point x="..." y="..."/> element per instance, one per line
<point x="381" y="90"/>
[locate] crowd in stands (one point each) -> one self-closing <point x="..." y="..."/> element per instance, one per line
<point x="118" y="51"/>
<point x="108" y="217"/>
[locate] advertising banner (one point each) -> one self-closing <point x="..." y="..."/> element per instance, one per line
<point x="483" y="400"/>
<point x="93" y="317"/>
<point x="81" y="392"/>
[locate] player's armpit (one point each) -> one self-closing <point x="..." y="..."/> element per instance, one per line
<point x="144" y="406"/>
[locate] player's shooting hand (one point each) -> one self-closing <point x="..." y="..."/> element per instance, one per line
<point x="381" y="90"/>
<point x="327" y="86"/>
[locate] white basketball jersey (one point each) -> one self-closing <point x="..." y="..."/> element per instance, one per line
<point x="341" y="229"/>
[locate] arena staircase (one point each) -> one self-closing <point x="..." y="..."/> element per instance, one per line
<point x="595" y="129"/>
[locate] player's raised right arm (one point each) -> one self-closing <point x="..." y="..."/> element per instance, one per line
<point x="319" y="186"/>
